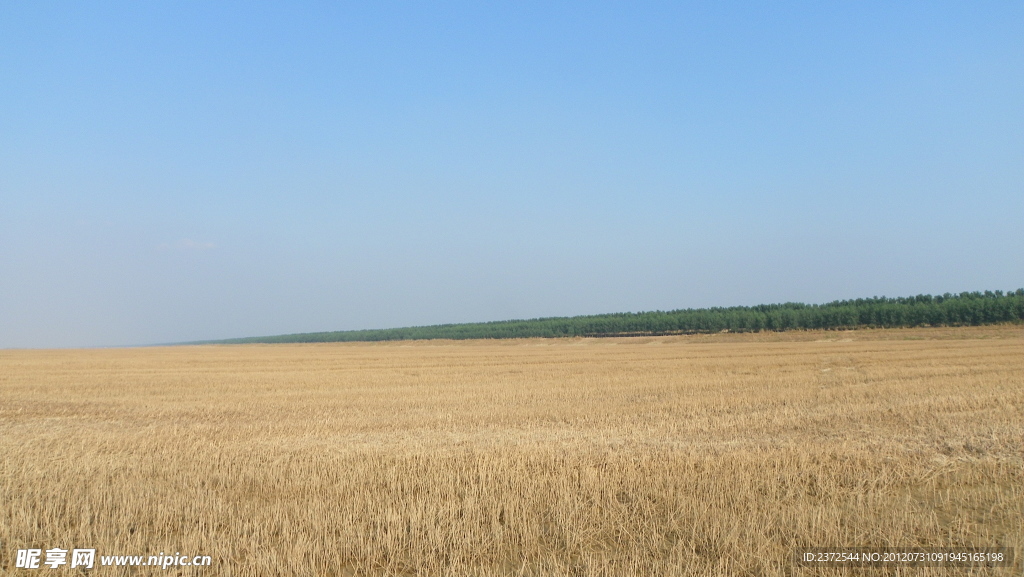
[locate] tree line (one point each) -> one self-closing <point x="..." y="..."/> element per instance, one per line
<point x="963" y="309"/>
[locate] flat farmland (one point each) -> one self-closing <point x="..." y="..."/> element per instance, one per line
<point x="685" y="455"/>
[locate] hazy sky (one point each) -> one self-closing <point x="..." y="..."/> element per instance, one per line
<point x="173" y="171"/>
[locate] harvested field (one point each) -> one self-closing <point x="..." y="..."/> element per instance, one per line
<point x="691" y="455"/>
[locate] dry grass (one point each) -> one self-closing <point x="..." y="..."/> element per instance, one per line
<point x="647" y="456"/>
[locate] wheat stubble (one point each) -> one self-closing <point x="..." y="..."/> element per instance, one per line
<point x="643" y="456"/>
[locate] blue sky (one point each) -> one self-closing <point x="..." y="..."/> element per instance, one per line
<point x="173" y="171"/>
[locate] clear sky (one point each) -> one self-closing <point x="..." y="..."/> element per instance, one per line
<point x="174" y="171"/>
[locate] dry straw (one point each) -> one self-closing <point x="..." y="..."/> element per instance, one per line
<point x="711" y="455"/>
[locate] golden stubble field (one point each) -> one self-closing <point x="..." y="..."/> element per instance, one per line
<point x="699" y="455"/>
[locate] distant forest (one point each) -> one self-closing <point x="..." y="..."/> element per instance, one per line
<point x="964" y="309"/>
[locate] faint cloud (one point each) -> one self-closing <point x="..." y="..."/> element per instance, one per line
<point x="186" y="244"/>
<point x="190" y="244"/>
